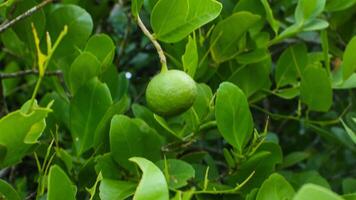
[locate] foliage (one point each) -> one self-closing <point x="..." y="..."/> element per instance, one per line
<point x="274" y="115"/>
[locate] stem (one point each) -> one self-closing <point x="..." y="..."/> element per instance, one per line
<point x="155" y="43"/>
<point x="325" y="47"/>
<point x="32" y="100"/>
<point x="24" y="15"/>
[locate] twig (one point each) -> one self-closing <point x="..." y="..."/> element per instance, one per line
<point x="32" y="72"/>
<point x="158" y="47"/>
<point x="29" y="72"/>
<point x="125" y="40"/>
<point x="3" y="105"/>
<point x="24" y="15"/>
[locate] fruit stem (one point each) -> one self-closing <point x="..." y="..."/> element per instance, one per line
<point x="155" y="43"/>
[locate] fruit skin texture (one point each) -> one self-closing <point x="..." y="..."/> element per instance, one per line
<point x="170" y="93"/>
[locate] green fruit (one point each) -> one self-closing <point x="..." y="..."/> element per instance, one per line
<point x="171" y="92"/>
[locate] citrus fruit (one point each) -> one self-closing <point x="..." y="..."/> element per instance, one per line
<point x="171" y="92"/>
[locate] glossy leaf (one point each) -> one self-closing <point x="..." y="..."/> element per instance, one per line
<point x="116" y="190"/>
<point x="276" y="187"/>
<point x="349" y="131"/>
<point x="7" y="191"/>
<point x="203" y="100"/>
<point x="349" y="185"/>
<point x="178" y="172"/>
<point x="80" y="26"/>
<point x="133" y="137"/>
<point x="173" y="20"/>
<point x="59" y="185"/>
<point x="252" y="84"/>
<point x="311" y="192"/>
<point x="338" y="5"/>
<point x="106" y="48"/>
<point x="87" y="108"/>
<point x="298" y="179"/>
<point x="85" y="67"/>
<point x="190" y="57"/>
<point x="233" y="115"/>
<point x="308" y="9"/>
<point x="315" y="24"/>
<point x="315" y="89"/>
<point x="349" y="62"/>
<point x="102" y="129"/>
<point x="294" y="158"/>
<point x="29" y="126"/>
<point x="152" y="176"/>
<point x="270" y="18"/>
<point x="225" y="37"/>
<point x="291" y="65"/>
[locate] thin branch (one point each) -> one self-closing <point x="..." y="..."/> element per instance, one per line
<point x="33" y="72"/>
<point x="29" y="72"/>
<point x="3" y="106"/>
<point x="24" y="15"/>
<point x="158" y="47"/>
<point x="124" y="42"/>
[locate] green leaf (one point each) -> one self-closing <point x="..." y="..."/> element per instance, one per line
<point x="308" y="9"/>
<point x="298" y="179"/>
<point x="276" y="187"/>
<point x="59" y="185"/>
<point x="225" y="37"/>
<point x="102" y="129"/>
<point x="349" y="196"/>
<point x="7" y="191"/>
<point x="116" y="190"/>
<point x="349" y="62"/>
<point x="136" y="6"/>
<point x="29" y="127"/>
<point x="251" y="84"/>
<point x="349" y="131"/>
<point x="178" y="172"/>
<point x="288" y="93"/>
<point x="106" y="47"/>
<point x="312" y="192"/>
<point x="173" y="20"/>
<point x="35" y="132"/>
<point x="294" y="158"/>
<point x="190" y="57"/>
<point x="315" y="89"/>
<point x="315" y="24"/>
<point x="270" y="18"/>
<point x="262" y="163"/>
<point x="87" y="108"/>
<point x="106" y="165"/>
<point x="254" y="56"/>
<point x="233" y="115"/>
<point x="80" y="26"/>
<point x="23" y="28"/>
<point x="147" y="115"/>
<point x="338" y="5"/>
<point x="349" y="185"/>
<point x="85" y="67"/>
<point x="290" y="65"/>
<point x="133" y="137"/>
<point x="12" y="41"/>
<point x="202" y="102"/>
<point x="153" y="185"/>
<point x="65" y="157"/>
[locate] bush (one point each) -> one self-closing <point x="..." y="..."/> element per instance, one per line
<point x="262" y="107"/>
